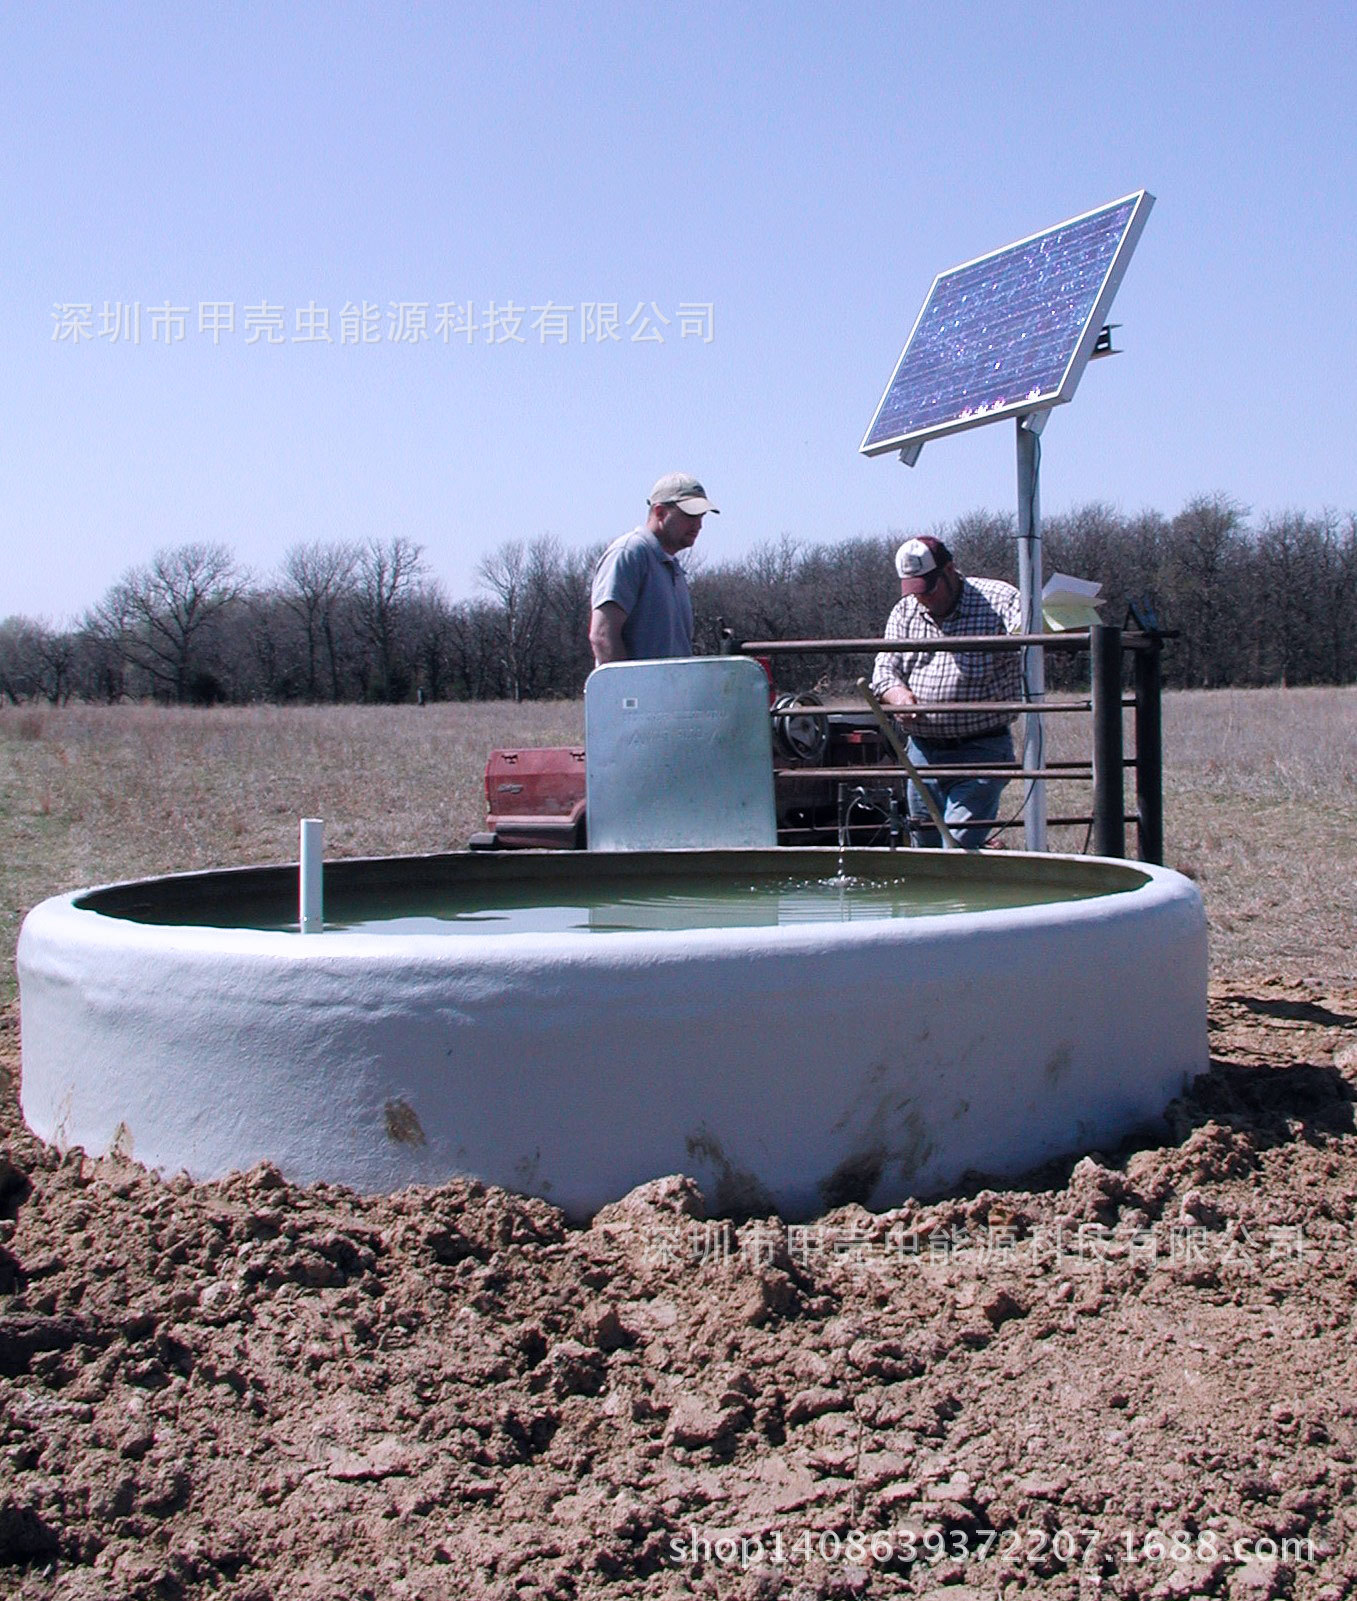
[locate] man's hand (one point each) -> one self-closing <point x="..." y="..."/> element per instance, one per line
<point x="898" y="695"/>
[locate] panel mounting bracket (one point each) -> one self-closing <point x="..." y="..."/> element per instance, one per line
<point x="1102" y="345"/>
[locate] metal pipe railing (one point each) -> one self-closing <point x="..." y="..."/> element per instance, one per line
<point x="852" y="707"/>
<point x="1081" y="770"/>
<point x="1071" y="641"/>
<point x="1107" y="647"/>
<point x="1075" y="641"/>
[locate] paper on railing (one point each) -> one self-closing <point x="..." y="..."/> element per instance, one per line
<point x="1069" y="602"/>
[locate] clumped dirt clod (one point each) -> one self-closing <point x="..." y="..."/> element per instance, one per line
<point x="1129" y="1376"/>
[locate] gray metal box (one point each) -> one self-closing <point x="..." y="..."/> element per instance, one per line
<point x="679" y="755"/>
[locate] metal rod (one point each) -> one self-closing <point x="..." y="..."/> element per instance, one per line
<point x="1109" y="831"/>
<point x="1084" y="820"/>
<point x="1062" y="822"/>
<point x="1033" y="657"/>
<point x="1070" y="641"/>
<point x="1149" y="757"/>
<point x="840" y="708"/>
<point x="1081" y="771"/>
<point x="893" y="740"/>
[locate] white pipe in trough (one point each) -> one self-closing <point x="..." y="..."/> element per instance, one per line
<point x="311" y="876"/>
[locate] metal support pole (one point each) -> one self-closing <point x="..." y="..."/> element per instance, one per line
<point x="1149" y="754"/>
<point x="1109" y="803"/>
<point x="1033" y="656"/>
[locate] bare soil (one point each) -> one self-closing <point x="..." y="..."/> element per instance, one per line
<point x="1131" y="1377"/>
<point x="1128" y="1375"/>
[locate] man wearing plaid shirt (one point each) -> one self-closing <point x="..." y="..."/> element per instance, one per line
<point x="937" y="601"/>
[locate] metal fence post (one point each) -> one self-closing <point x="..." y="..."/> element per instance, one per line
<point x="1109" y="803"/>
<point x="1150" y="752"/>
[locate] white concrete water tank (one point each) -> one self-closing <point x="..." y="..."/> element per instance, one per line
<point x="786" y="1067"/>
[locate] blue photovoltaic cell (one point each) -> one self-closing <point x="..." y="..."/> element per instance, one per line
<point x="999" y="336"/>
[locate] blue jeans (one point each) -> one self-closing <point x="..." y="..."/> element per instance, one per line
<point x="964" y="800"/>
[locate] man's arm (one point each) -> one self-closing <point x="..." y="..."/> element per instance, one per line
<point x="1009" y="607"/>
<point x="605" y="633"/>
<point x="889" y="671"/>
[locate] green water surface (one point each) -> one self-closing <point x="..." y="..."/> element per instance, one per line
<point x="624" y="905"/>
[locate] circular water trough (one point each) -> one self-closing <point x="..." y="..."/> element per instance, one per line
<point x="787" y="1067"/>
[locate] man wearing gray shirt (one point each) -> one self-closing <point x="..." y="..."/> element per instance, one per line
<point x="641" y="606"/>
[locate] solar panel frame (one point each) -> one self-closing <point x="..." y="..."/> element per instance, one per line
<point x="959" y="409"/>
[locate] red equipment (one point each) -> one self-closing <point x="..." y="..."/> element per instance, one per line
<point x="535" y="799"/>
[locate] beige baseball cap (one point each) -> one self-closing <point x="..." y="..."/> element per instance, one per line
<point x="684" y="491"/>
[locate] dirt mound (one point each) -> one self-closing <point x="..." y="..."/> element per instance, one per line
<point x="1125" y="1377"/>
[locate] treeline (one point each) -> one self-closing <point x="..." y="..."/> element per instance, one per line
<point x="1274" y="603"/>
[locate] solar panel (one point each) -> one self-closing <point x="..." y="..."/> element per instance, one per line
<point x="1010" y="332"/>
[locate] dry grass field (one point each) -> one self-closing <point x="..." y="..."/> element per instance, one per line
<point x="89" y="794"/>
<point x="1261" y="809"/>
<point x="1260" y="800"/>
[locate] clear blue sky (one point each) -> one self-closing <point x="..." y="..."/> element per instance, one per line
<point x="803" y="169"/>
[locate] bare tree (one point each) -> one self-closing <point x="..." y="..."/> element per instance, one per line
<point x="1202" y="573"/>
<point x="985" y="544"/>
<point x="20" y="665"/>
<point x="264" y="659"/>
<point x="519" y="576"/>
<point x="568" y="658"/>
<point x="1301" y="591"/>
<point x="57" y="650"/>
<point x="771" y="572"/>
<point x="429" y="625"/>
<point x="1340" y="601"/>
<point x="470" y="640"/>
<point x="1246" y="605"/>
<point x="387" y="573"/>
<point x="159" y="614"/>
<point x="317" y="579"/>
<point x="102" y="664"/>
